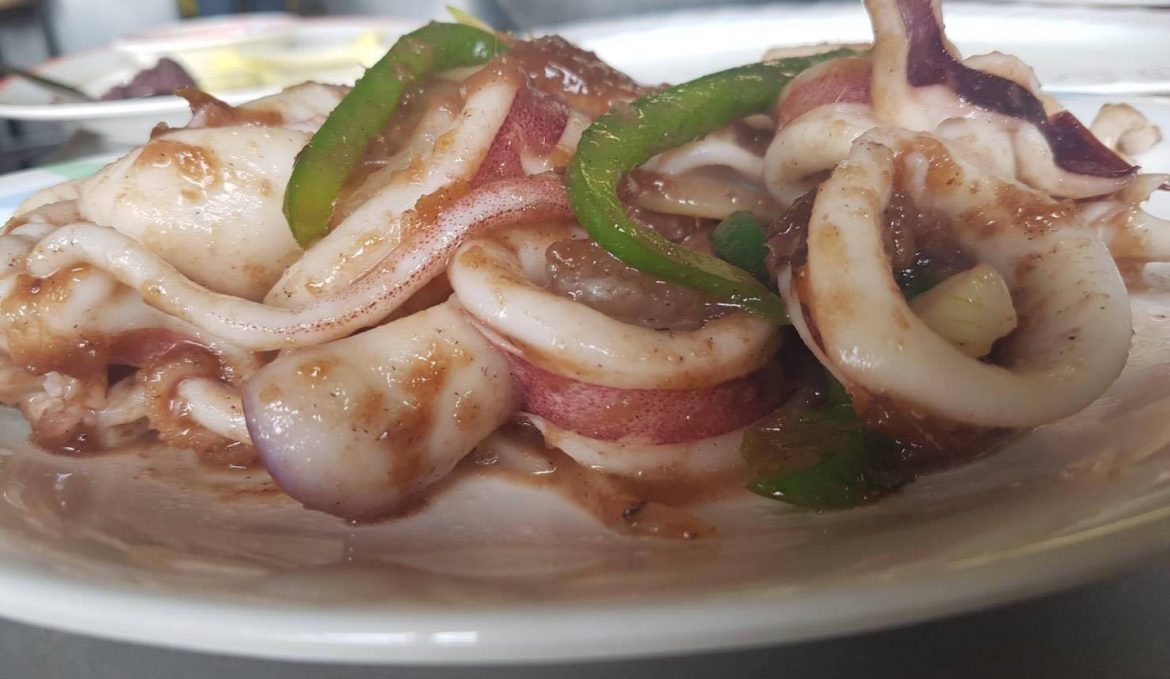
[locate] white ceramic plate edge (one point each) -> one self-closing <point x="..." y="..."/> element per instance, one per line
<point x="721" y="620"/>
<point x="121" y="109"/>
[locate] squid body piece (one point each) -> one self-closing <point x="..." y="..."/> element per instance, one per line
<point x="208" y="201"/>
<point x="301" y="107"/>
<point x="360" y="427"/>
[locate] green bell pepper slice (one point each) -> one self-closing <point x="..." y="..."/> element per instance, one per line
<point x="823" y="457"/>
<point x="740" y="240"/>
<point x="621" y="140"/>
<point x="322" y="168"/>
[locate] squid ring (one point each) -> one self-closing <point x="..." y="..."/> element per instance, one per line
<point x="1075" y="329"/>
<point x="570" y="339"/>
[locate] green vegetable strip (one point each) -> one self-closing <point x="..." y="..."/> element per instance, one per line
<point x="915" y="281"/>
<point x="620" y="141"/>
<point x="851" y="475"/>
<point x="740" y="240"/>
<point x="323" y="166"/>
<point x="823" y="457"/>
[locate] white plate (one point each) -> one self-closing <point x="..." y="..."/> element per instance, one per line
<point x="93" y="72"/>
<point x="1071" y="49"/>
<point x="207" y="33"/>
<point x="151" y="548"/>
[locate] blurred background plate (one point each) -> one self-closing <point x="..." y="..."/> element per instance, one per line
<point x="236" y="66"/>
<point x="1073" y="51"/>
<point x="208" y="33"/>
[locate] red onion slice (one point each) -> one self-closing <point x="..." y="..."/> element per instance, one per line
<point x="533" y="125"/>
<point x="930" y="62"/>
<point x="655" y="416"/>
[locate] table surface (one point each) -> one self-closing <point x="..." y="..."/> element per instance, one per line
<point x="1115" y="629"/>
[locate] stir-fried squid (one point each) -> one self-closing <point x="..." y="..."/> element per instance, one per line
<point x="1074" y="323"/>
<point x="943" y="236"/>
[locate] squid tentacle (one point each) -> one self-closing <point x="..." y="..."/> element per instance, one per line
<point x="256" y="326"/>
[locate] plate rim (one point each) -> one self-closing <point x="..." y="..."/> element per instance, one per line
<point x="101" y="110"/>
<point x="727" y="619"/>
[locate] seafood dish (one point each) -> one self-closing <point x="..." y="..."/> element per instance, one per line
<point x="811" y="278"/>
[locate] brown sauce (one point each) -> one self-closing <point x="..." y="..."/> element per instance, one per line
<point x="926" y="441"/>
<point x="168" y="414"/>
<point x="62" y="433"/>
<point x="1133" y="273"/>
<point x="583" y="272"/>
<point x="789" y="234"/>
<point x="674" y="228"/>
<point x="96" y="360"/>
<point x="754" y="139"/>
<point x="921" y="246"/>
<point x="226" y="482"/>
<point x="620" y="507"/>
<point x="212" y="112"/>
<point x="556" y="66"/>
<point x="365" y="180"/>
<point x="626" y="506"/>
<point x="428" y="208"/>
<point x="640" y="508"/>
